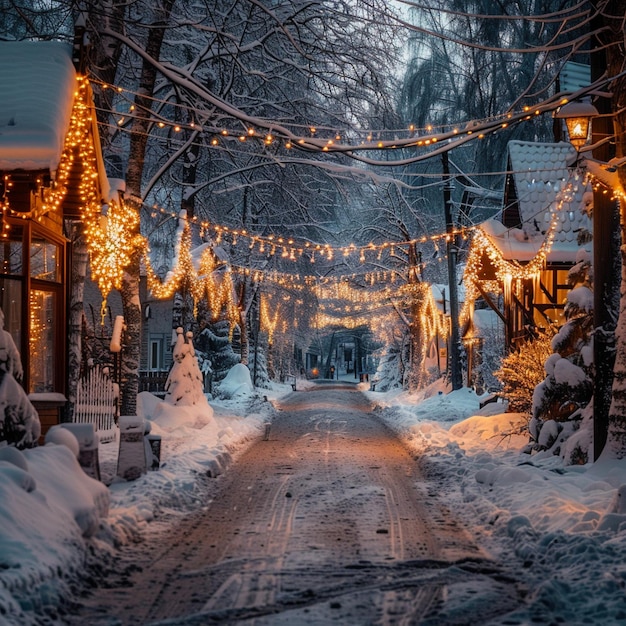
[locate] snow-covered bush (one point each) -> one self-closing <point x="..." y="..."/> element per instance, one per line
<point x="568" y="385"/>
<point x="390" y="370"/>
<point x="257" y="364"/>
<point x="488" y="360"/>
<point x="522" y="371"/>
<point x="19" y="420"/>
<point x="236" y="383"/>
<point x="184" y="386"/>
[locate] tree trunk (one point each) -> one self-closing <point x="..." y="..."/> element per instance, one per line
<point x="131" y="353"/>
<point x="131" y="349"/>
<point x="245" y="340"/>
<point x="104" y="54"/>
<point x="616" y="435"/>
<point x="76" y="313"/>
<point x="416" y="349"/>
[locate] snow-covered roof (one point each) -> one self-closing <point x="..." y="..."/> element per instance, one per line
<point x="38" y="84"/>
<point x="543" y="181"/>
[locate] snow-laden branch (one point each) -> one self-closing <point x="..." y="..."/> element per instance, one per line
<point x="544" y="48"/>
<point x="445" y="141"/>
<point x="577" y="11"/>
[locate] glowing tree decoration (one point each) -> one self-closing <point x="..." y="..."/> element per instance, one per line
<point x="509" y="274"/>
<point x="211" y="280"/>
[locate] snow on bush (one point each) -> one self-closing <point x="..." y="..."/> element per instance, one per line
<point x="237" y="382"/>
<point x="170" y="418"/>
<point x="63" y="437"/>
<point x="19" y="421"/>
<point x="522" y="371"/>
<point x="568" y="386"/>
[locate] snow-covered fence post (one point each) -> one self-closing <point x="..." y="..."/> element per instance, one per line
<point x="88" y="444"/>
<point x="131" y="461"/>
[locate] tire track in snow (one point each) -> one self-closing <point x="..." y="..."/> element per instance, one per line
<point x="326" y="522"/>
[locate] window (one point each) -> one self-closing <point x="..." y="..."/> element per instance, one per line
<point x="11" y="258"/>
<point x="33" y="301"/>
<point x="11" y="305"/>
<point x="159" y="352"/>
<point x="43" y="320"/>
<point x="154" y="356"/>
<point x="44" y="259"/>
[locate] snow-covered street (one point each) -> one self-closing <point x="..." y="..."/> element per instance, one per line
<point x="326" y="521"/>
<point x="455" y="525"/>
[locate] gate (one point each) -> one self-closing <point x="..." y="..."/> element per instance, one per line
<point x="96" y="403"/>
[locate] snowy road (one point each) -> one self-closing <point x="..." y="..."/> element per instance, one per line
<point x="328" y="521"/>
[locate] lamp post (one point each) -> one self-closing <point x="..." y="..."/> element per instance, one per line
<point x="606" y="268"/>
<point x="577" y="116"/>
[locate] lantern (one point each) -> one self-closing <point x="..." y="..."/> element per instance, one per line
<point x="577" y="116"/>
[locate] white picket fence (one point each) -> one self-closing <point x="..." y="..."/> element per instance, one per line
<point x="96" y="399"/>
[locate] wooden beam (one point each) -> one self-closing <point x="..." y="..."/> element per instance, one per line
<point x="490" y="302"/>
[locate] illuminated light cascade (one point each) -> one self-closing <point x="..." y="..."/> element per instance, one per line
<point x="509" y="273"/>
<point x="417" y="297"/>
<point x="4" y="210"/>
<point x="375" y="322"/>
<point x="268" y="321"/>
<point x="342" y="290"/>
<point x="78" y="144"/>
<point x="112" y="241"/>
<point x="430" y="321"/>
<point x="213" y="280"/>
<point x="182" y="277"/>
<point x="330" y="139"/>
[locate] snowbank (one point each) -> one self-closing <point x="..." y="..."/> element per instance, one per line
<point x="559" y="530"/>
<point x="54" y="519"/>
<point x="50" y="509"/>
<point x="236" y="383"/>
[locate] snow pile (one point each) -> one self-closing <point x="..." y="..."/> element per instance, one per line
<point x="50" y="510"/>
<point x="55" y="520"/>
<point x="171" y="418"/>
<point x="559" y="529"/>
<point x="237" y="383"/>
<point x="19" y="421"/>
<point x="194" y="443"/>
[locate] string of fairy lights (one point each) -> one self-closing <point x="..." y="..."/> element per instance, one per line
<point x="236" y="125"/>
<point x="310" y="136"/>
<point x="287" y="247"/>
<point x="509" y="274"/>
<point x="114" y="238"/>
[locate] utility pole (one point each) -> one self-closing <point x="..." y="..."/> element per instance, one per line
<point x="454" y="352"/>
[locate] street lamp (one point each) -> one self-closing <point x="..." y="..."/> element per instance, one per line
<point x="577" y="116"/>
<point x="606" y="270"/>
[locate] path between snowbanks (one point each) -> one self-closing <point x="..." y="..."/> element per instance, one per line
<point x="326" y="521"/>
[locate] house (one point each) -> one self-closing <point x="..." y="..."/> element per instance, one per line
<point x="523" y="258"/>
<point x="49" y="164"/>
